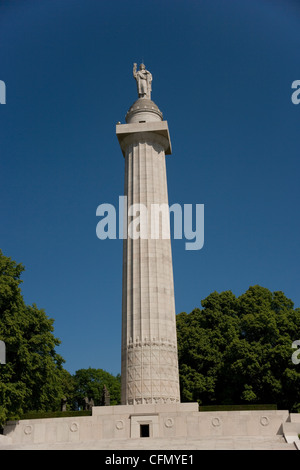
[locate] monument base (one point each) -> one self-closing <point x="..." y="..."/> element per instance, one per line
<point x="138" y="421"/>
<point x="143" y="426"/>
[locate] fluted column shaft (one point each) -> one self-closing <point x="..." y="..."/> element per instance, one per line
<point x="149" y="345"/>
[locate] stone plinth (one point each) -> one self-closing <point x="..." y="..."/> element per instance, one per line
<point x="122" y="424"/>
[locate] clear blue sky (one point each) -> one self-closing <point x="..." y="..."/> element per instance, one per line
<point x="222" y="75"/>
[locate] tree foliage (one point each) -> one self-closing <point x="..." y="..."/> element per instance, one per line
<point x="31" y="378"/>
<point x="89" y="383"/>
<point x="239" y="350"/>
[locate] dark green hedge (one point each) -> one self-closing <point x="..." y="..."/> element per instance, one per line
<point x="237" y="407"/>
<point x="54" y="414"/>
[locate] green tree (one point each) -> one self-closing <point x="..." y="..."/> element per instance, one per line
<point x="238" y="350"/>
<point x="89" y="383"/>
<point x="32" y="378"/>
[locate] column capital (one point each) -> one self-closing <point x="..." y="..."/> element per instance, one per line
<point x="158" y="131"/>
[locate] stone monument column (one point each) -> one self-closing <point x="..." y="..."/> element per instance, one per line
<point x="149" y="371"/>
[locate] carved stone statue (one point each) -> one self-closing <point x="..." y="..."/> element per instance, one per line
<point x="63" y="404"/>
<point x="105" y="396"/>
<point x="143" y="79"/>
<point x="88" y="403"/>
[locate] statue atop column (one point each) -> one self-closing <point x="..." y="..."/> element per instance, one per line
<point x="143" y="80"/>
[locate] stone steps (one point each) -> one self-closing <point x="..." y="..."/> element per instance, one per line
<point x="206" y="443"/>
